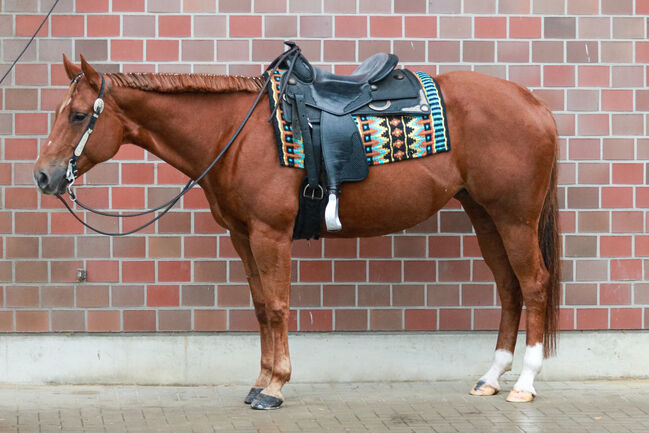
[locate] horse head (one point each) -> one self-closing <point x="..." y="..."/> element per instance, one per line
<point x="66" y="154"/>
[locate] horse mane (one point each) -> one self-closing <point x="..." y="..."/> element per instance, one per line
<point x="185" y="83"/>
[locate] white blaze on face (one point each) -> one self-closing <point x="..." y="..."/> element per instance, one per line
<point x="502" y="363"/>
<point x="532" y="363"/>
<point x="67" y="99"/>
<point x="65" y="103"/>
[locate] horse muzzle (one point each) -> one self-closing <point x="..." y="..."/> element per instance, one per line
<point x="51" y="181"/>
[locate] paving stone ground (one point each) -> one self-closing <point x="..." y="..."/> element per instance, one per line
<point x="592" y="407"/>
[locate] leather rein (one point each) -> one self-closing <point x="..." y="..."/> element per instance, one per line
<point x="71" y="174"/>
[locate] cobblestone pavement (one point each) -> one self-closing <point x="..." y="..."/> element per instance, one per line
<point x="594" y="406"/>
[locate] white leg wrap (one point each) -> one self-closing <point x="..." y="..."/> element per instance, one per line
<point x="331" y="214"/>
<point x="532" y="363"/>
<point x="502" y="363"/>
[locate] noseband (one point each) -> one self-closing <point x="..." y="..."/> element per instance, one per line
<point x="72" y="171"/>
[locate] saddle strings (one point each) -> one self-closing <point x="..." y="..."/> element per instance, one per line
<point x="293" y="52"/>
<point x="166" y="207"/>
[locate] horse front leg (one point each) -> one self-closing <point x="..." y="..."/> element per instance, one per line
<point x="272" y="253"/>
<point x="242" y="246"/>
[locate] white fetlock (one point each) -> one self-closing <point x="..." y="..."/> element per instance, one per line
<point x="488" y="384"/>
<point x="524" y="388"/>
<point x="331" y="214"/>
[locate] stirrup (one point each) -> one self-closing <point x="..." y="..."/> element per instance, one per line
<point x="331" y="214"/>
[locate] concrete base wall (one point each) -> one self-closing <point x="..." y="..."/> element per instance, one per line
<point x="328" y="357"/>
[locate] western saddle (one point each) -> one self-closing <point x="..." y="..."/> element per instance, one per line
<point x="320" y="107"/>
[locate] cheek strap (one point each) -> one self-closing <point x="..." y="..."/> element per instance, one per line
<point x="98" y="107"/>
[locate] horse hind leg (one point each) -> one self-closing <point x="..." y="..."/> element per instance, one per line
<point x="493" y="251"/>
<point x="242" y="246"/>
<point x="522" y="245"/>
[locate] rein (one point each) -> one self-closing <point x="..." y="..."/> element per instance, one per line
<point x="71" y="174"/>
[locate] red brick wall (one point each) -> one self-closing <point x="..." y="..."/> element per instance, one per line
<point x="586" y="58"/>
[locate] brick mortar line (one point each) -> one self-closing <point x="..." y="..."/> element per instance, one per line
<point x="297" y="15"/>
<point x="262" y="38"/>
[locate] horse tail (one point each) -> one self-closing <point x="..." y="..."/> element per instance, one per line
<point x="550" y="245"/>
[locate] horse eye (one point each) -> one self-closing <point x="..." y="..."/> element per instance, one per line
<point x="78" y="117"/>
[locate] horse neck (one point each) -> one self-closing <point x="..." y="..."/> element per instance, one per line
<point x="185" y="130"/>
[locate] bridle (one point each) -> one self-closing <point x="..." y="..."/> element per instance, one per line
<point x="72" y="171"/>
<point x="71" y="174"/>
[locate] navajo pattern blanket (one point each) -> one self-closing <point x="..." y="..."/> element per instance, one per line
<point x="388" y="138"/>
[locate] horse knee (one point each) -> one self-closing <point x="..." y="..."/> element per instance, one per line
<point x="277" y="312"/>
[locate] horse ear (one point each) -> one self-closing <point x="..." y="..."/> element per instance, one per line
<point x="70" y="68"/>
<point x="91" y="75"/>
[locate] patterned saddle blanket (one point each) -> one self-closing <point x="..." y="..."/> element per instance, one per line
<point x="385" y="138"/>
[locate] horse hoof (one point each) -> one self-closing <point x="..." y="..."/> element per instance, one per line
<point x="482" y="388"/>
<point x="254" y="392"/>
<point x="266" y="402"/>
<point x="517" y="396"/>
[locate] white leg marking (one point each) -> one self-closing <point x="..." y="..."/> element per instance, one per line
<point x="502" y="363"/>
<point x="49" y="143"/>
<point x="532" y="363"/>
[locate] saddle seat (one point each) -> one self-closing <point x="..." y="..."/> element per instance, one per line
<point x="372" y="70"/>
<point x="340" y="94"/>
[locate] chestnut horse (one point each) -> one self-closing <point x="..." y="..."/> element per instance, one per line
<point x="502" y="169"/>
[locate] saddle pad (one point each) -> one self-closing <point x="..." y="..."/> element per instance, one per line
<point x="386" y="139"/>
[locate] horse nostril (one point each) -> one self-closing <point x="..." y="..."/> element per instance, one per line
<point x="43" y="179"/>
